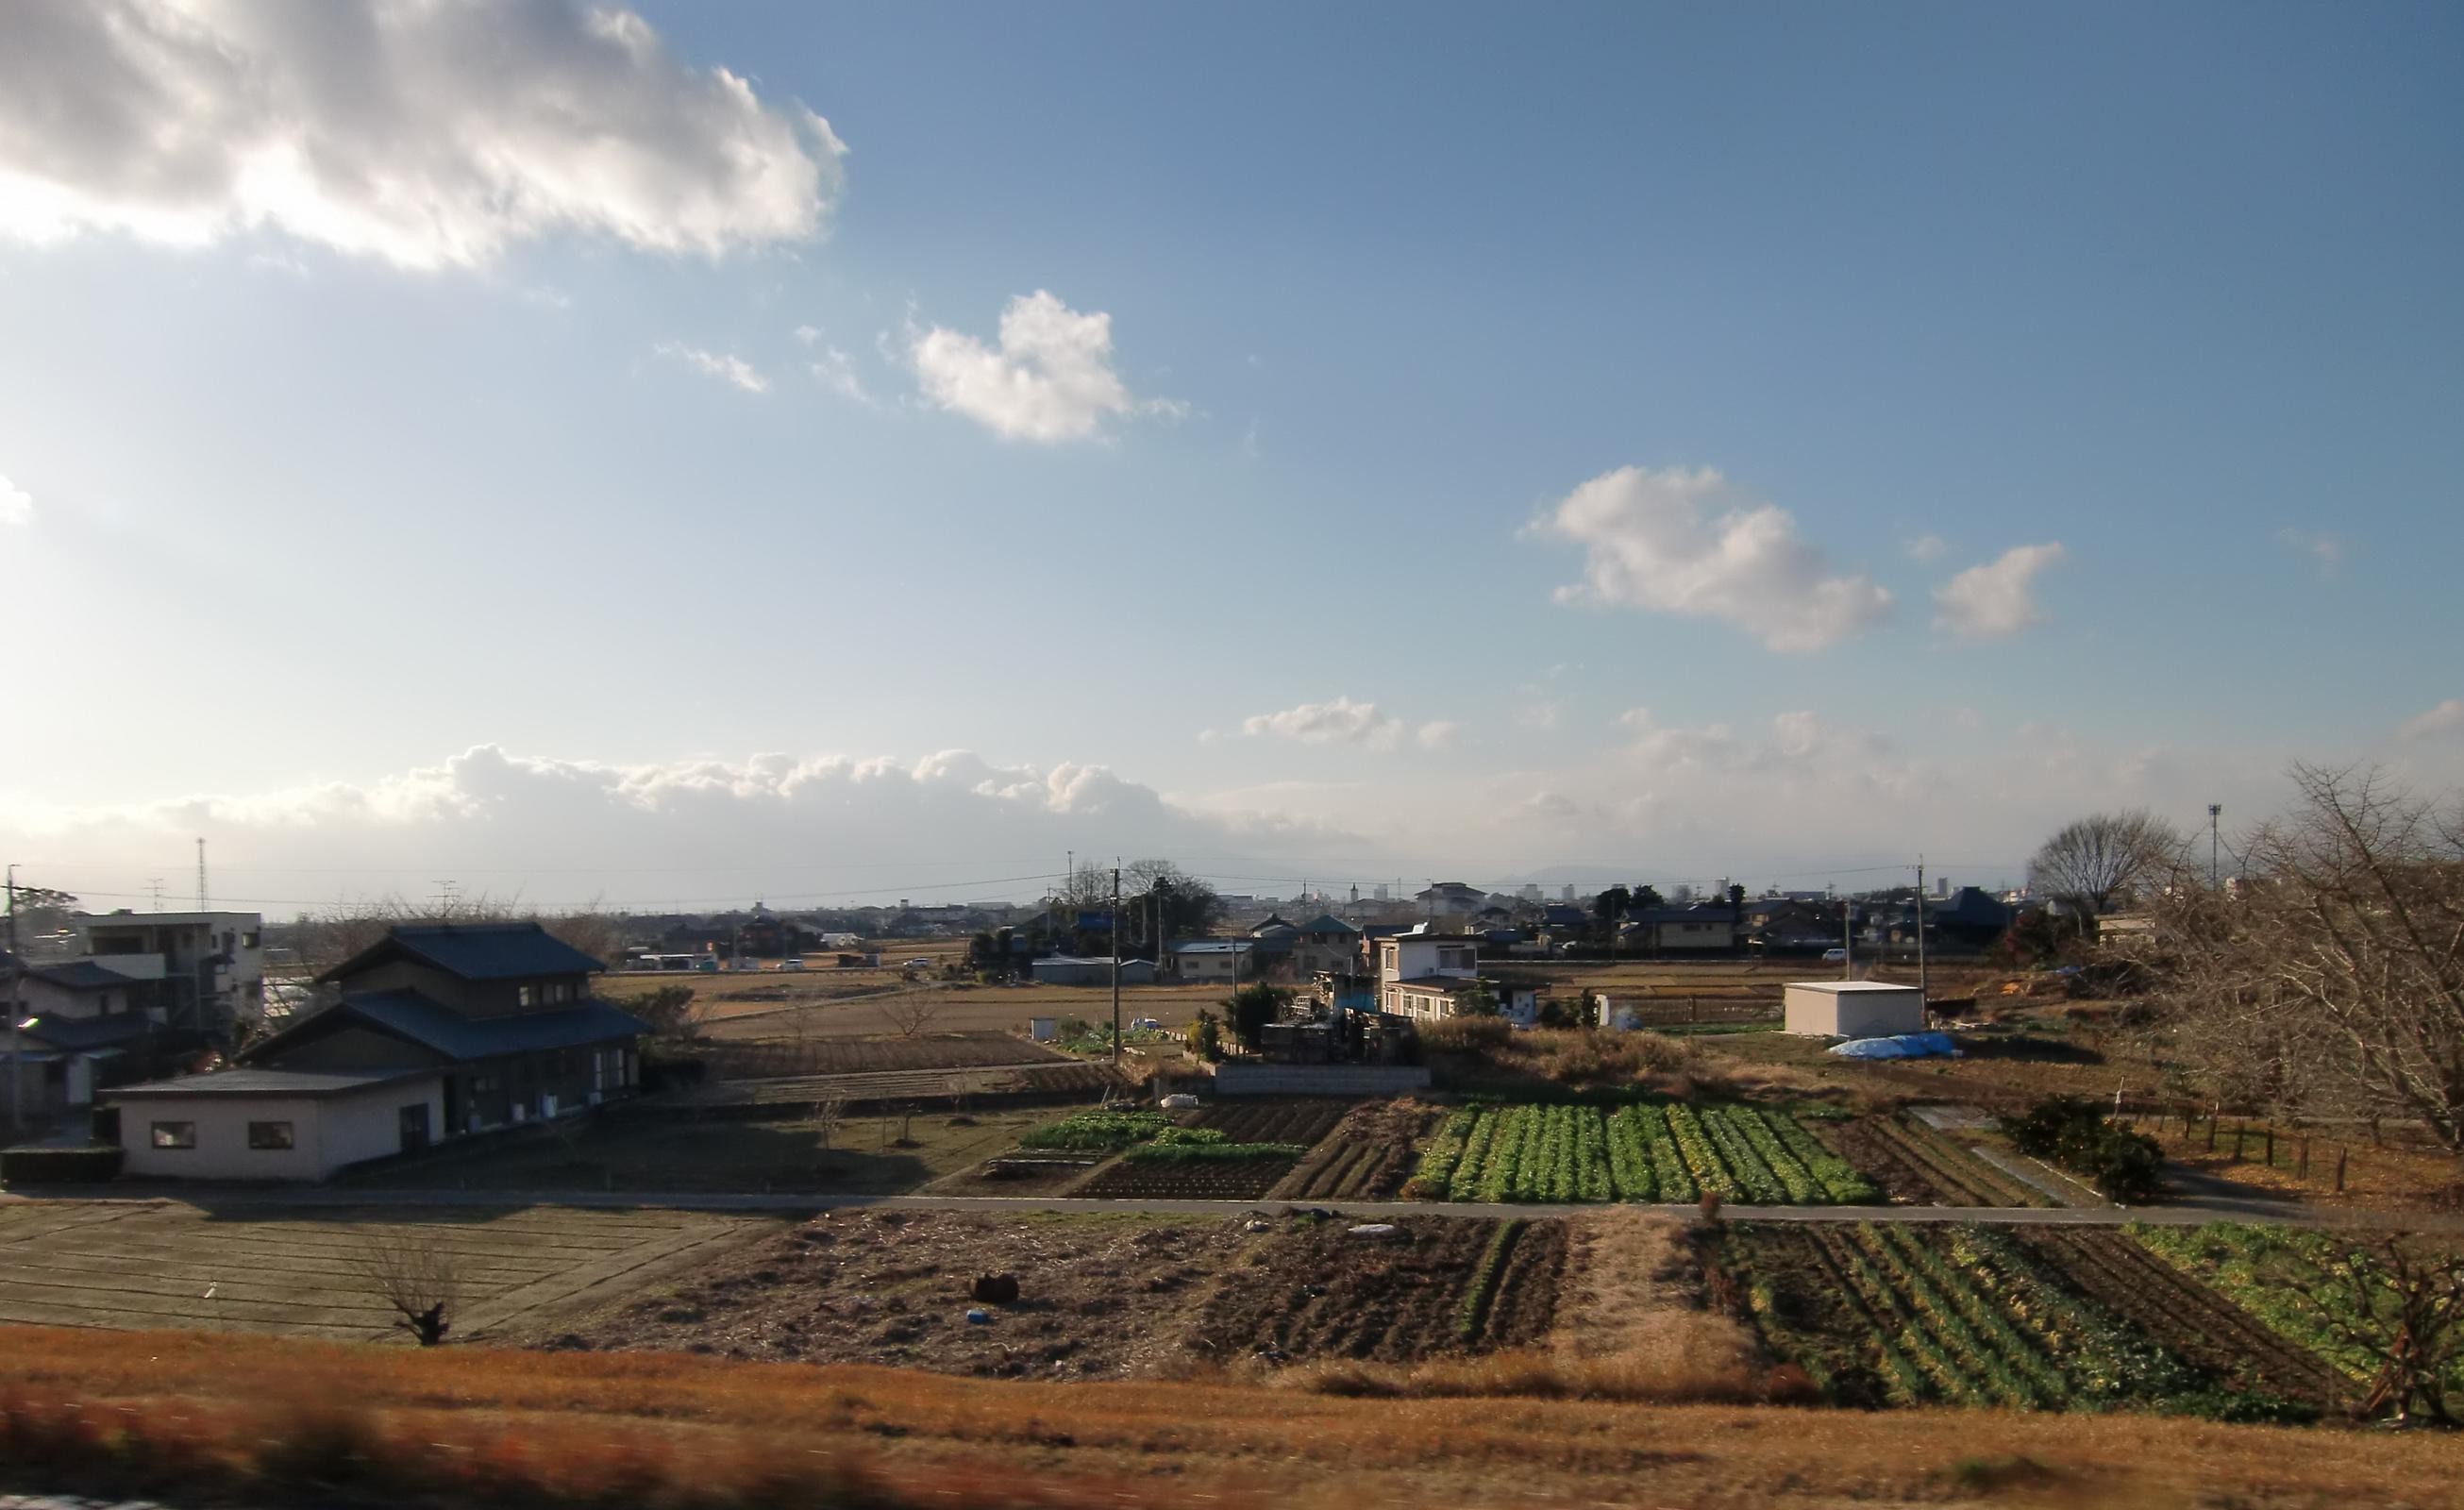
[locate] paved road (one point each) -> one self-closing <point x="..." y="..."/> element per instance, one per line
<point x="2169" y="1215"/>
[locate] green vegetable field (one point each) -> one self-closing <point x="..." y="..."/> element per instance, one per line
<point x="1641" y="1153"/>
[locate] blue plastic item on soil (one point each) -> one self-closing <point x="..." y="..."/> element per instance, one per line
<point x="1905" y="1045"/>
<point x="979" y="1315"/>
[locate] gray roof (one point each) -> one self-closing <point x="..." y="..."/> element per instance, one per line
<point x="473" y="952"/>
<point x="1328" y="922"/>
<point x="1213" y="946"/>
<point x="441" y="1030"/>
<point x="75" y="1034"/>
<point x="75" y="974"/>
<point x="266" y="1082"/>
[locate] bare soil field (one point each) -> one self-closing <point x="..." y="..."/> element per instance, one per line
<point x="1099" y="1297"/>
<point x="767" y="1058"/>
<point x="1312" y="1292"/>
<point x="239" y="1268"/>
<point x="761" y="1155"/>
<point x="1368" y="1156"/>
<point x="1302" y="1121"/>
<point x="1198" y="1180"/>
<point x="1915" y="1165"/>
<point x="799" y="1005"/>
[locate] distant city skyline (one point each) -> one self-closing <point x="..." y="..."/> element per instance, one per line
<point x="699" y="453"/>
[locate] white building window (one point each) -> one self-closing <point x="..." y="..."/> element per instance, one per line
<point x="175" y="1135"/>
<point x="270" y="1136"/>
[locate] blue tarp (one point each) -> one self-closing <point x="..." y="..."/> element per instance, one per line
<point x="1907" y="1045"/>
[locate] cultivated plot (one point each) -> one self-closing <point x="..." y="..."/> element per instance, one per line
<point x="263" y="1269"/>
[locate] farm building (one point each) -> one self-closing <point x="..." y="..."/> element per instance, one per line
<point x="439" y="1030"/>
<point x="1212" y="959"/>
<point x="1073" y="970"/>
<point x="1852" y="1008"/>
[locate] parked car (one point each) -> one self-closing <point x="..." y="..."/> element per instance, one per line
<point x="791" y="964"/>
<point x="1835" y="956"/>
<point x="919" y="962"/>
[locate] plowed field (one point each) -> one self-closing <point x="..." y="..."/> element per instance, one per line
<point x="1368" y="1156"/>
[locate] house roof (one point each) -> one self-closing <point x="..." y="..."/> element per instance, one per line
<point x="74" y="1035"/>
<point x="74" y="974"/>
<point x="1857" y="986"/>
<point x="269" y="1082"/>
<point x="1213" y="946"/>
<point x="1328" y="922"/>
<point x="441" y="1030"/>
<point x="472" y="951"/>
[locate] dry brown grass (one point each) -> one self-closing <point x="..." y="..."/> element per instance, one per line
<point x="692" y="1429"/>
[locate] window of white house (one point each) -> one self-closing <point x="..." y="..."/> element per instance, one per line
<point x="175" y="1135"/>
<point x="248" y="941"/>
<point x="526" y="995"/>
<point x="269" y="1135"/>
<point x="559" y="990"/>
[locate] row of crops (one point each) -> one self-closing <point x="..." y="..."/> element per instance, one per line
<point x="1641" y="1153"/>
<point x="1962" y="1316"/>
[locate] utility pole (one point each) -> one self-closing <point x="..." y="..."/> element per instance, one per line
<point x="1116" y="967"/>
<point x="1921" y="997"/>
<point x="2216" y="811"/>
<point x="16" y="1014"/>
<point x="201" y="873"/>
<point x="1847" y="937"/>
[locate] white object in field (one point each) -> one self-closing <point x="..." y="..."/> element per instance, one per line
<point x="1180" y="1101"/>
<point x="1374" y="1229"/>
<point x="1257" y="1224"/>
<point x="1043" y="1030"/>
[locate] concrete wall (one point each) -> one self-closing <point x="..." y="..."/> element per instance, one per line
<point x="1319" y="1080"/>
<point x="1854" y="1013"/>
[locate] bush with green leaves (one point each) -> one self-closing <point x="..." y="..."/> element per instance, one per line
<point x="1097" y="1131"/>
<point x="2073" y="1133"/>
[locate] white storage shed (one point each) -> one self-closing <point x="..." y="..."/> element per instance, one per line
<point x="1854" y="1009"/>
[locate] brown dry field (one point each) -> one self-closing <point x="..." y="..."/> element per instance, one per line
<point x="992" y="1442"/>
<point x="231" y="1267"/>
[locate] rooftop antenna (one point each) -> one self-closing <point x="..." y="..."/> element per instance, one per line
<point x="156" y="883"/>
<point x="201" y="873"/>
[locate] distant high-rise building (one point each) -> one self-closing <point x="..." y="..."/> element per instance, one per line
<point x="1566" y="895"/>
<point x="1941" y="885"/>
<point x="1381" y="891"/>
<point x="1529" y="892"/>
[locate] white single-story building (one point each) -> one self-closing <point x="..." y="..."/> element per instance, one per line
<point x="1852" y="1008"/>
<point x="276" y="1124"/>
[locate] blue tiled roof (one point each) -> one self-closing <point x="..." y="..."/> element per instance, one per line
<point x="71" y="975"/>
<point x="473" y="952"/>
<point x="441" y="1030"/>
<point x="77" y="1034"/>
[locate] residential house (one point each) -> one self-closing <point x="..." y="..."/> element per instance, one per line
<point x="1075" y="969"/>
<point x="440" y="1031"/>
<point x="1971" y="916"/>
<point x="1201" y="961"/>
<point x="79" y="1026"/>
<point x="1422" y="975"/>
<point x="1696" y="929"/>
<point x="203" y="971"/>
<point x="1326" y="944"/>
<point x="1450" y="899"/>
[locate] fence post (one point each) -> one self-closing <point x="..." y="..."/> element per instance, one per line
<point x="2239" y="1128"/>
<point x="2340" y="1170"/>
<point x="2270" y="1145"/>
<point x="2305" y="1159"/>
<point x="2212" y="1132"/>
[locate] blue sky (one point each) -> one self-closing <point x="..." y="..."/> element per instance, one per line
<point x="628" y="465"/>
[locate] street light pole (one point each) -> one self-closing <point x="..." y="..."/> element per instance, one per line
<point x="2216" y="811"/>
<point x="16" y="1014"/>
<point x="1922" y="997"/>
<point x="1116" y="967"/>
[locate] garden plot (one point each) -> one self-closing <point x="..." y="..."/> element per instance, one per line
<point x="1915" y="1165"/>
<point x="1638" y="1152"/>
<point x="1442" y="1286"/>
<point x="1898" y="1314"/>
<point x="1369" y="1155"/>
<point x="176" y="1265"/>
<point x="1226" y="1152"/>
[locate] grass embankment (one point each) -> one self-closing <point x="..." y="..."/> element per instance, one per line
<point x="161" y="1411"/>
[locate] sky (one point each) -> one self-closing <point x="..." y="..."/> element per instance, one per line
<point x="677" y="456"/>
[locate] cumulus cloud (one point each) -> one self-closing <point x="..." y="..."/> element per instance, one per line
<point x="1341" y="721"/>
<point x="423" y="135"/>
<point x="2444" y="719"/>
<point x="1928" y="548"/>
<point x="16" y="504"/>
<point x="1051" y="378"/>
<point x="2321" y="547"/>
<point x="685" y="831"/>
<point x="1691" y="542"/>
<point x="1439" y="733"/>
<point x="724" y="366"/>
<point x="1997" y="599"/>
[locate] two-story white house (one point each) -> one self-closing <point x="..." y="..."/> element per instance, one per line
<point x="1421" y="976"/>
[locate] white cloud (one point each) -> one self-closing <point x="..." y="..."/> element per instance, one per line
<point x="2325" y="549"/>
<point x="836" y="370"/>
<point x="1928" y="548"/>
<point x="16" y="504"/>
<point x="809" y="335"/>
<point x="724" y="366"/>
<point x="1692" y="543"/>
<point x="2445" y="718"/>
<point x="422" y="135"/>
<point x="1439" y="733"/>
<point x="1341" y="721"/>
<point x="1051" y="378"/>
<point x="1997" y="599"/>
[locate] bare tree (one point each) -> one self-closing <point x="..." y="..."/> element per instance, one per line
<point x="828" y="1113"/>
<point x="416" y="1275"/>
<point x="2095" y="860"/>
<point x="911" y="1012"/>
<point x="673" y="1012"/>
<point x="333" y="935"/>
<point x="2332" y="974"/>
